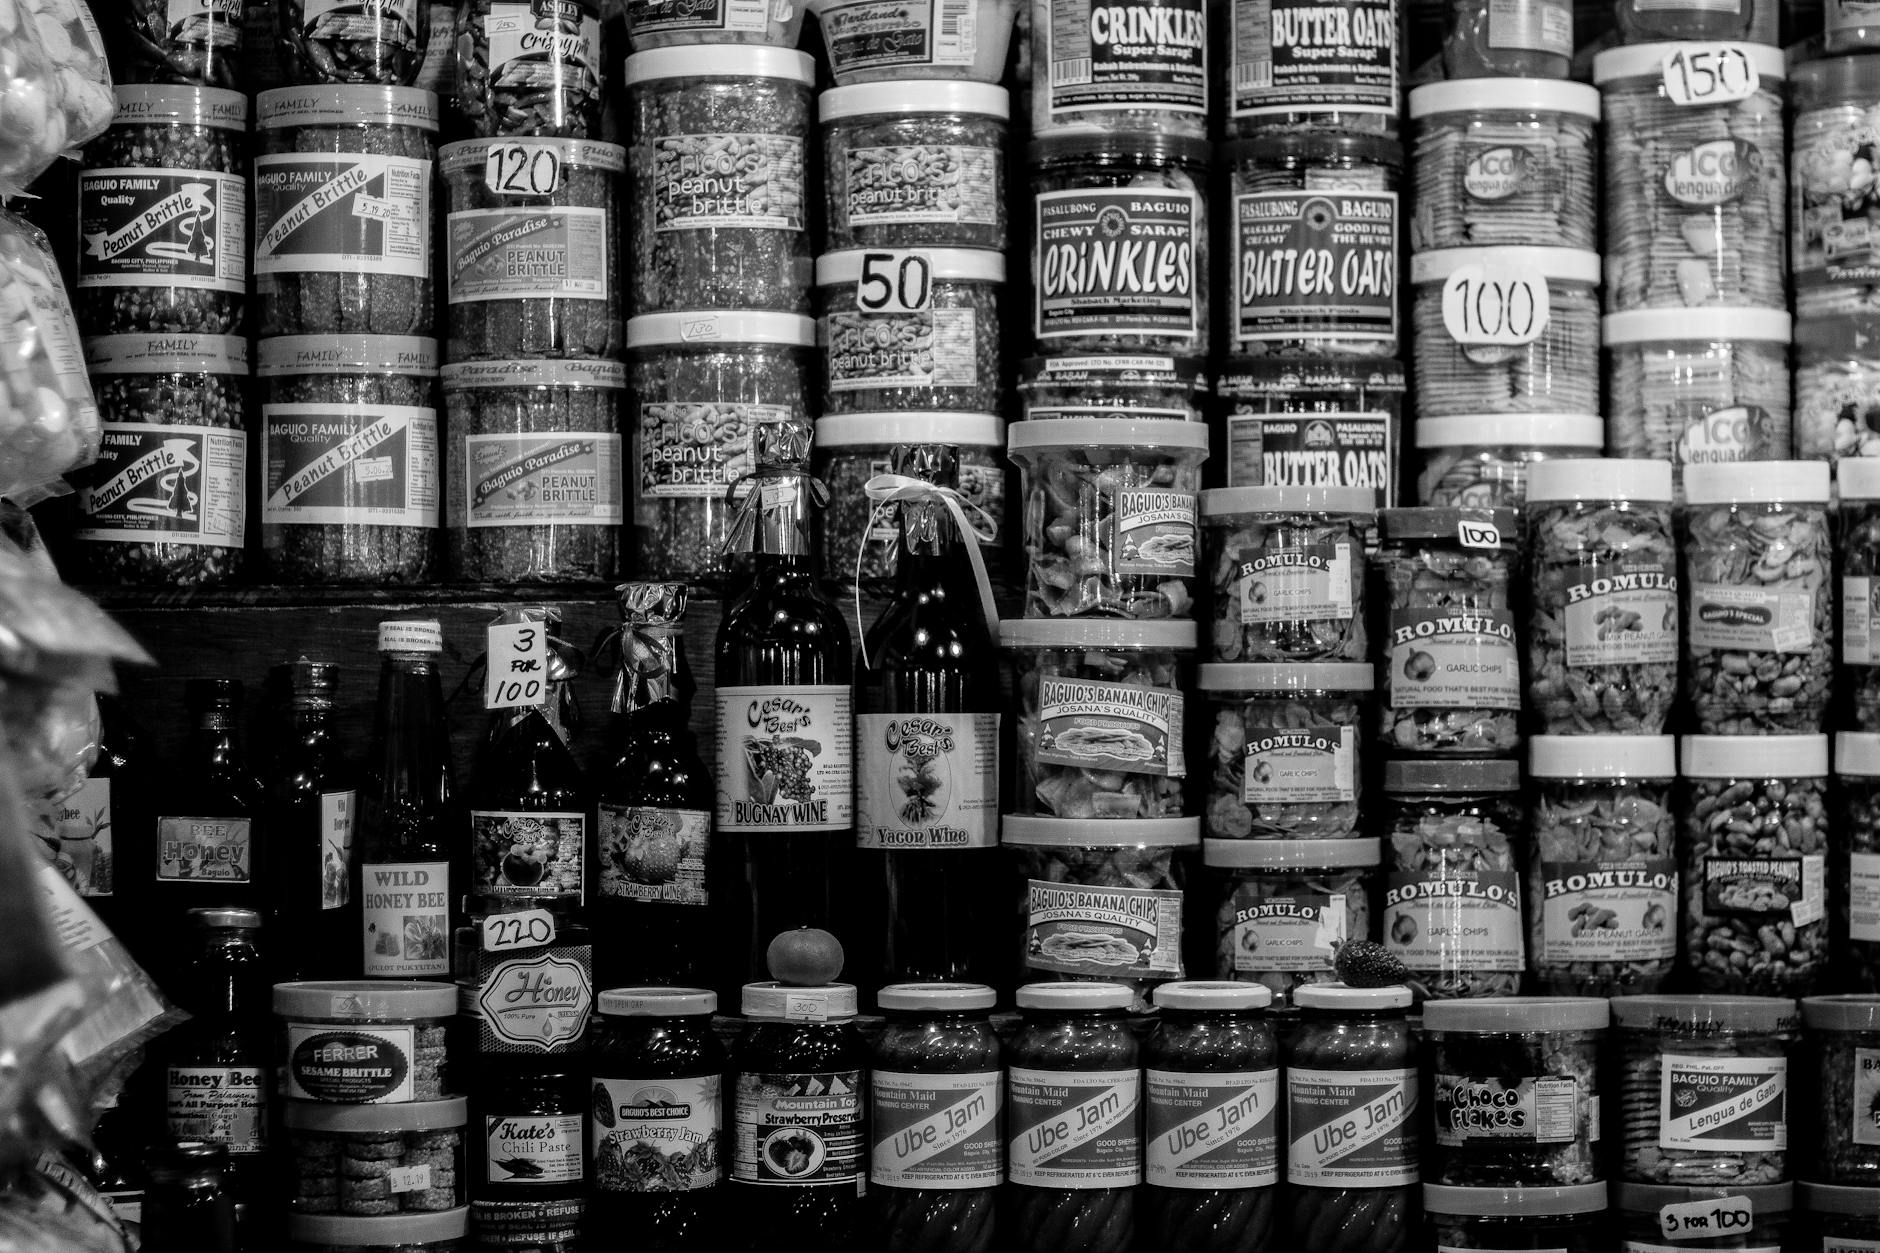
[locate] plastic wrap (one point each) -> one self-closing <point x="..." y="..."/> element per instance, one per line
<point x="48" y="418"/>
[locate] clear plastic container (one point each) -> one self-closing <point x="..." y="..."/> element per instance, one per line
<point x="1831" y="158"/>
<point x="1640" y="21"/>
<point x="914" y="169"/>
<point x="1849" y="26"/>
<point x="890" y="41"/>
<point x="1287" y="572"/>
<point x="374" y="1160"/>
<point x="1481" y="461"/>
<point x="1854" y="859"/>
<point x="1486" y="40"/>
<point x="1837" y="1219"/>
<point x="403" y="1233"/>
<point x="528" y="71"/>
<point x="1859" y="535"/>
<point x="1095" y="71"/>
<point x="1837" y="388"/>
<point x="1758" y="1216"/>
<point x="365" y="1042"/>
<point x="1840" y="1043"/>
<point x="671" y="24"/>
<point x="911" y="330"/>
<point x="1112" y="386"/>
<point x="323" y="43"/>
<point x="1570" y="1219"/>
<point x="1284" y="906"/>
<point x="1285" y="755"/>
<point x="1311" y="422"/>
<point x="1276" y="80"/>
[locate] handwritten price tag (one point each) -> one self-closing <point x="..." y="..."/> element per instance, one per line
<point x="1478" y="534"/>
<point x="1497" y="303"/>
<point x="525" y="928"/>
<point x="895" y="282"/>
<point x="1707" y="1220"/>
<point x="523" y="169"/>
<point x="1709" y="74"/>
<point x="517" y="674"/>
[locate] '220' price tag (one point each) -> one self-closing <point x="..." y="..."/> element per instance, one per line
<point x="516" y="676"/>
<point x="1698" y="74"/>
<point x="895" y="282"/>
<point x="523" y="169"/>
<point x="1503" y="304"/>
<point x="1707" y="1220"/>
<point x="522" y="928"/>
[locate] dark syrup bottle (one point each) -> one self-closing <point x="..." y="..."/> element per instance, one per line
<point x="313" y="804"/>
<point x="210" y="846"/>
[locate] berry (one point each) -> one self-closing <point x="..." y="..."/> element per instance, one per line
<point x="1368" y="964"/>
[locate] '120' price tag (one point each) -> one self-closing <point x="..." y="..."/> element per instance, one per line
<point x="1707" y="1220"/>
<point x="523" y="169"/>
<point x="517" y="674"/>
<point x="1696" y="74"/>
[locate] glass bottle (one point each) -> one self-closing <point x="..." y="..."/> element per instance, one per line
<point x="186" y="1207"/>
<point x="405" y="807"/>
<point x="655" y="866"/>
<point x="107" y="829"/>
<point x="313" y="803"/>
<point x="785" y="718"/>
<point x="927" y="749"/>
<point x="527" y="1129"/>
<point x="210" y="849"/>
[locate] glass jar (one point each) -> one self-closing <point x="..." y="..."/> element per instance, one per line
<point x="1482" y="461"/>
<point x="1285" y="906"/>
<point x="544" y="1226"/>
<point x="1450" y="670"/>
<point x="1837" y="388"/>
<point x="1505" y="330"/>
<point x="1837" y="1219"/>
<point x="885" y="40"/>
<point x="1837" y="269"/>
<point x="936" y="1157"/>
<point x="1073" y="1121"/>
<point x="1110" y="511"/>
<point x="1112" y="387"/>
<point x="1311" y="422"/>
<point x="1758" y="1216"/>
<point x="1483" y="40"/>
<point x="1515" y="1090"/>
<point x="368" y="1042"/>
<point x="1288" y="572"/>
<point x="1455" y="848"/>
<point x="1103" y="900"/>
<point x="1313" y="274"/>
<point x="1841" y="1055"/>
<point x="1285" y="758"/>
<point x="699" y="383"/>
<point x="373" y="1160"/>
<point x="910" y="331"/>
<point x="914" y="169"/>
<point x="528" y="1153"/>
<point x="1210" y="1134"/>
<point x="1685" y="1056"/>
<point x="1695" y="192"/>
<point x="664" y="24"/>
<point x="1602" y="639"/>
<point x="1101" y="716"/>
<point x="525" y="976"/>
<point x="1854" y="859"/>
<point x="403" y="1233"/>
<point x="1089" y="195"/>
<point x="1758" y="599"/>
<point x="718" y="178"/>
<point x="1096" y="72"/>
<point x="1283" y="73"/>
<point x="513" y="81"/>
<point x="1350" y="1064"/>
<point x="1569" y="1219"/>
<point x="1603" y="872"/>
<point x="1859" y="484"/>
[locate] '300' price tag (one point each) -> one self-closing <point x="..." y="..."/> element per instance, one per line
<point x="1495" y="303"/>
<point x="1697" y="74"/>
<point x="895" y="282"/>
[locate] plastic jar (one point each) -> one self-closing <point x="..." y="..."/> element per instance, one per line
<point x="1642" y="20"/>
<point x="1686" y="1055"/>
<point x="699" y="383"/>
<point x="203" y="47"/>
<point x="361" y="1160"/>
<point x="1758" y="1216"/>
<point x="670" y="24"/>
<point x="1506" y="330"/>
<point x="1285" y="758"/>
<point x="1092" y="195"/>
<point x="1283" y="72"/>
<point x="535" y="481"/>
<point x="1450" y="669"/>
<point x="1838" y="1219"/>
<point x="1515" y="1090"/>
<point x="1311" y="422"/>
<point x="1455" y="849"/>
<point x="1310" y="273"/>
<point x="718" y="178"/>
<point x="323" y="45"/>
<point x="367" y="1042"/>
<point x="163" y="215"/>
<point x="349" y="458"/>
<point x="1112" y="386"/>
<point x="1110" y="514"/>
<point x="1837" y="267"/>
<point x="1854" y="859"/>
<point x="532" y="998"/>
<point x="1859" y="484"/>
<point x="404" y="1233"/>
<point x="1603" y="870"/>
<point x="1569" y="1219"/>
<point x="1837" y="388"/>
<point x="1759" y="603"/>
<point x="1755" y="862"/>
<point x="911" y="330"/>
<point x="853" y="448"/>
<point x="1841" y="1054"/>
<point x="1095" y="72"/>
<point x="658" y="1071"/>
<point x="935" y="1092"/>
<point x="1103" y="900"/>
<point x="1288" y="571"/>
<point x="512" y="81"/>
<point x="1694" y="192"/>
<point x="1602" y="609"/>
<point x="1482" y="461"/>
<point x="1505" y="160"/>
<point x="1484" y="40"/>
<point x="359" y="264"/>
<point x="1285" y="904"/>
<point x="1210" y="1129"/>
<point x="183" y="529"/>
<point x="1700" y="385"/>
<point x="1350" y="1061"/>
<point x="884" y="40"/>
<point x="914" y="168"/>
<point x="1073" y="1078"/>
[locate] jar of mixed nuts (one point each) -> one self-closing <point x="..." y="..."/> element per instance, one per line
<point x="1858" y="480"/>
<point x="1285" y="756"/>
<point x="1483" y="460"/>
<point x="915" y="168"/>
<point x="1311" y="422"/>
<point x="1854" y="859"/>
<point x="1112" y="386"/>
<point x="1841" y="1055"/>
<point x="1837" y="1219"/>
<point x="1750" y="1218"/>
<point x="1569" y="1219"/>
<point x="911" y="330"/>
<point x="1288" y="571"/>
<point x="1097" y="69"/>
<point x="1285" y="906"/>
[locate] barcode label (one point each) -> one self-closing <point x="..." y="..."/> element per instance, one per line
<point x="954" y="33"/>
<point x="1070" y="73"/>
<point x="1254" y="74"/>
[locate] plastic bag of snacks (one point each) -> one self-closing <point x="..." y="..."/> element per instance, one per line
<point x="48" y="418"/>
<point x="55" y="91"/>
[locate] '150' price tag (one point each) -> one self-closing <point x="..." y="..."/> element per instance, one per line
<point x="1707" y="1220"/>
<point x="523" y="169"/>
<point x="517" y="674"/>
<point x="1696" y="74"/>
<point x="895" y="282"/>
<point x="1502" y="304"/>
<point x="523" y="928"/>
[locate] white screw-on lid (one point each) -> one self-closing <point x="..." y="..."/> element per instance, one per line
<point x="936" y="996"/>
<point x="1847" y="1011"/>
<point x="1290" y="854"/>
<point x="1072" y="997"/>
<point x="929" y="96"/>
<point x="1599" y="479"/>
<point x="1505" y="95"/>
<point x="1150" y="633"/>
<point x="1715" y="324"/>
<point x="1513" y="430"/>
<point x="721" y="326"/>
<point x="971" y="265"/>
<point x="1274" y="676"/>
<point x="1569" y="265"/>
<point x="1859" y="478"/>
<point x="1756" y="482"/>
<point x="1215" y="995"/>
<point x="1101" y="832"/>
<point x="922" y="426"/>
<point x="1648" y="60"/>
<point x="1857" y="754"/>
<point x="1144" y="434"/>
<point x="1338" y="996"/>
<point x="657" y="1002"/>
<point x="721" y="61"/>
<point x="1603" y="757"/>
<point x="1754" y="756"/>
<point x="1550" y="1202"/>
<point x="1508" y="1014"/>
<point x="771" y="999"/>
<point x="1225" y="501"/>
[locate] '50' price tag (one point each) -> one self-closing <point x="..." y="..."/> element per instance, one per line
<point x="516" y="676"/>
<point x="895" y="282"/>
<point x="1709" y="74"/>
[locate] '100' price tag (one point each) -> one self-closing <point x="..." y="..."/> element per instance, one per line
<point x="1709" y="74"/>
<point x="1495" y="303"/>
<point x="517" y="674"/>
<point x="1707" y="1220"/>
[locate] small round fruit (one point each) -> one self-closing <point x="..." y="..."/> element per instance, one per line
<point x="807" y="957"/>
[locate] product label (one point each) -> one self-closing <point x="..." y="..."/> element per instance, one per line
<point x="537" y="1001"/>
<point x="527" y="854"/>
<point x="1714" y="173"/>
<point x="800" y="1130"/>
<point x="927" y="781"/>
<point x="569" y="478"/>
<point x="1860" y="621"/>
<point x="544" y="45"/>
<point x="928" y="348"/>
<point x="1075" y="1129"/>
<point x="342" y="213"/>
<point x="1527" y="1109"/>
<point x="1316" y="266"/>
<point x="657" y="1135"/>
<point x="1297" y="931"/>
<point x="549" y="1226"/>
<point x="920" y="183"/>
<point x="1103" y="933"/>
<point x="198" y="850"/>
<point x="406" y="919"/>
<point x="696" y="451"/>
<point x="1211" y="1130"/>
<point x="1533" y="25"/>
<point x="1442" y="658"/>
<point x="1864" y="1111"/>
<point x="1839" y="1244"/>
<point x="533" y="1148"/>
<point x="220" y="1104"/>
<point x="1608" y="911"/>
<point x="786" y="758"/>
<point x="1493" y="174"/>
<point x="710" y="182"/>
<point x="163" y="228"/>
<point x="1752" y="619"/>
<point x="1621" y="613"/>
<point x="1723" y="1104"/>
<point x="349" y="465"/>
<point x="658" y="17"/>
<point x="364" y="1065"/>
<point x="393" y="22"/>
<point x="526" y="254"/>
<point x="1095" y="725"/>
<point x="1311" y="450"/>
<point x="1736" y="433"/>
<point x="1448" y="917"/>
<point x="1133" y="55"/>
<point x="1863" y="887"/>
<point x="1304" y="584"/>
<point x="1304" y="56"/>
<point x="936" y="1131"/>
<point x="1641" y="1246"/>
<point x="1848" y="15"/>
<point x="884" y="34"/>
<point x="1117" y="261"/>
<point x="195" y="21"/>
<point x="1351" y="1128"/>
<point x="166" y="485"/>
<point x="1154" y="532"/>
<point x="654" y="855"/>
<point x="43" y="325"/>
<point x="1794" y="888"/>
<point x="1300" y="765"/>
<point x="83" y="830"/>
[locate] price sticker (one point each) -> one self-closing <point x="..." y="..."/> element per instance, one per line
<point x="408" y="1179"/>
<point x="1699" y="74"/>
<point x="1504" y="305"/>
<point x="1471" y="534"/>
<point x="895" y="282"/>
<point x="523" y="169"/>
<point x="517" y="674"/>
<point x="525" y="928"/>
<point x="1707" y="1220"/>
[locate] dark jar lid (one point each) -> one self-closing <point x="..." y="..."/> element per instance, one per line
<point x="1314" y="148"/>
<point x="1126" y="148"/>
